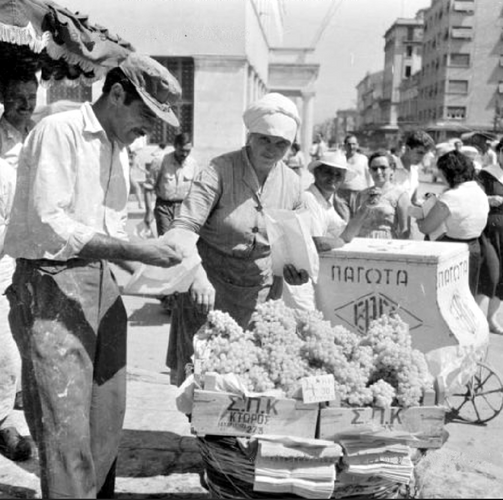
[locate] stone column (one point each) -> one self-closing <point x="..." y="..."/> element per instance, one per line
<point x="306" y="135"/>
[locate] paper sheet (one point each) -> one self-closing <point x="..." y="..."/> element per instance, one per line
<point x="291" y="241"/>
<point x="157" y="281"/>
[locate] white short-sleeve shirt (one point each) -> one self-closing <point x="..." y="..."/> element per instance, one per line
<point x="468" y="208"/>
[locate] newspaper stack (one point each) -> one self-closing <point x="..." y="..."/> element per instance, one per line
<point x="380" y="457"/>
<point x="305" y="468"/>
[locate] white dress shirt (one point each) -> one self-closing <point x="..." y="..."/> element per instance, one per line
<point x="72" y="184"/>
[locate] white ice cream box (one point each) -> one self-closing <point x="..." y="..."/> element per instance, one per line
<point x="426" y="281"/>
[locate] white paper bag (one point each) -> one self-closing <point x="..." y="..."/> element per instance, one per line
<point x="291" y="242"/>
<point x="158" y="281"/>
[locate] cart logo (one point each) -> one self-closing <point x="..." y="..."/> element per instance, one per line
<point x="360" y="312"/>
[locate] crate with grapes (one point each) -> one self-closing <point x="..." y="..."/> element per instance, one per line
<point x="379" y="380"/>
<point x="253" y="387"/>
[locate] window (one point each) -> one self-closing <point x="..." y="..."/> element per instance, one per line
<point x="79" y="93"/>
<point x="464" y="32"/>
<point x="457" y="86"/>
<point x="182" y="68"/>
<point x="410" y="33"/>
<point x="456" y="112"/>
<point x="459" y="60"/>
<point x="409" y="51"/>
<point x="500" y="87"/>
<point x="408" y="71"/>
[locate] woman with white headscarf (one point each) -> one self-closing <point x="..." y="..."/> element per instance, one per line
<point x="225" y="207"/>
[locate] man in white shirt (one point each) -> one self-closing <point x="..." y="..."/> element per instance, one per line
<point x="66" y="312"/>
<point x="417" y="144"/>
<point x="489" y="156"/>
<point x="19" y="92"/>
<point x="357" y="163"/>
<point x="171" y="180"/>
<point x="327" y="228"/>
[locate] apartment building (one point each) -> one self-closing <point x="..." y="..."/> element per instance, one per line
<point x="460" y="85"/>
<point x="402" y="58"/>
<point x="369" y="101"/>
<point x="379" y="93"/>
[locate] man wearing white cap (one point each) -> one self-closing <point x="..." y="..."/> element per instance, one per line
<point x="328" y="229"/>
<point x="66" y="313"/>
<point x="226" y="208"/>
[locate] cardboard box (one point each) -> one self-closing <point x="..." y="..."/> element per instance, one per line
<point x="427" y="281"/>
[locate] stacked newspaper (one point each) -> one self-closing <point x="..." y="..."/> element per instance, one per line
<point x="304" y="469"/>
<point x="381" y="457"/>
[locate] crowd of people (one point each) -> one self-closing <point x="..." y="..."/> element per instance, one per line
<point x="64" y="187"/>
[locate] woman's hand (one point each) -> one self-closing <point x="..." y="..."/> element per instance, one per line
<point x="294" y="277"/>
<point x="202" y="292"/>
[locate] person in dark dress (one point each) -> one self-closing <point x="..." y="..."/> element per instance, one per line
<point x="490" y="289"/>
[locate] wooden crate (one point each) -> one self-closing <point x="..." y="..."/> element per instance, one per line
<point x="426" y="423"/>
<point x="227" y="414"/>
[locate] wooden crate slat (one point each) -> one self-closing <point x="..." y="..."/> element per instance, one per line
<point x="426" y="423"/>
<point x="226" y="414"/>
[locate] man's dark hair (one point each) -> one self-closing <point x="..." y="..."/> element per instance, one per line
<point x="116" y="75"/>
<point x="419" y="138"/>
<point x="18" y="76"/>
<point x="349" y="136"/>
<point x="456" y="167"/>
<point x="182" y="139"/>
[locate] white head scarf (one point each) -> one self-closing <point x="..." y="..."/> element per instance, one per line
<point x="273" y="114"/>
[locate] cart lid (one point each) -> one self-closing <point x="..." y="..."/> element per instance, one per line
<point x="398" y="250"/>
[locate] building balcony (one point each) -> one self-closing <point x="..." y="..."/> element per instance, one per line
<point x="462" y="32"/>
<point x="465" y="6"/>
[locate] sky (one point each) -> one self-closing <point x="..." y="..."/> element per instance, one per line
<point x="351" y="45"/>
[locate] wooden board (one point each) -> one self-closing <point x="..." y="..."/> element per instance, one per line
<point x="426" y="423"/>
<point x="226" y="414"/>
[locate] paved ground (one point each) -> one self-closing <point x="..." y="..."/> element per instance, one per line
<point x="159" y="456"/>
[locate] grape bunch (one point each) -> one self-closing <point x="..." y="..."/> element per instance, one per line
<point x="229" y="349"/>
<point x="284" y="345"/>
<point x="395" y="362"/>
<point x="275" y="330"/>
